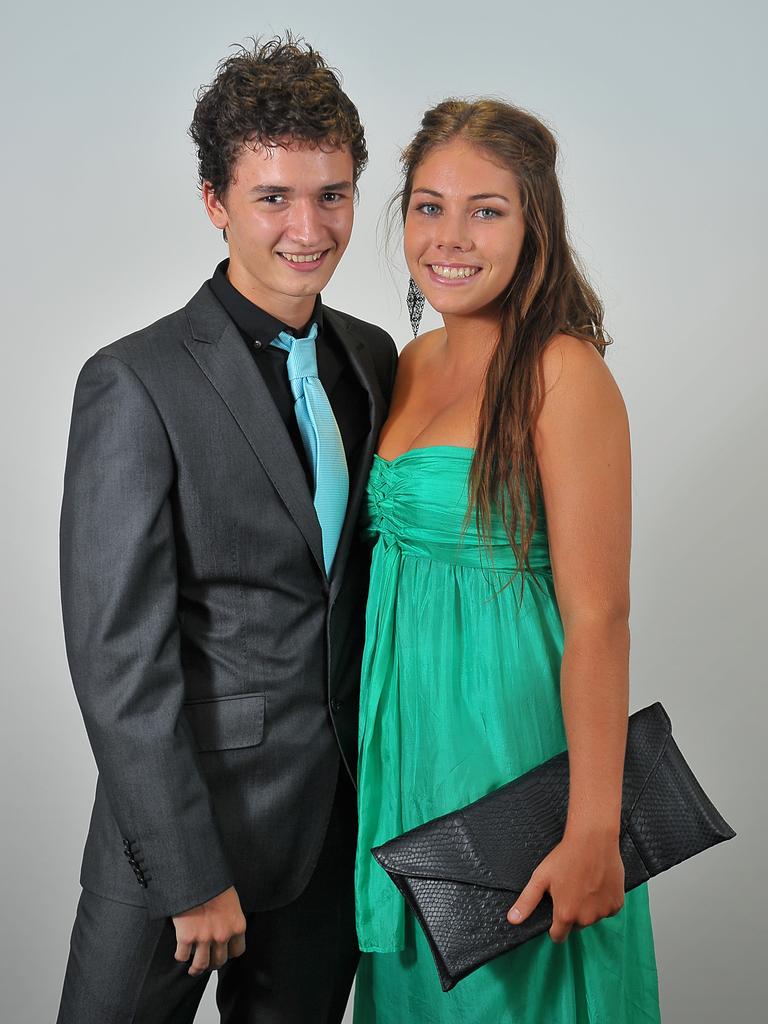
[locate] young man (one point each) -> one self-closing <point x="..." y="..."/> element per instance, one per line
<point x="214" y="586"/>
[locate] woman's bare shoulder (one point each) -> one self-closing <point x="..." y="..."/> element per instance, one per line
<point x="579" y="391"/>
<point x="569" y="362"/>
<point x="415" y="353"/>
<point x="423" y="343"/>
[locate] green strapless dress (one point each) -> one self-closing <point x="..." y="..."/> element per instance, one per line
<point x="460" y="694"/>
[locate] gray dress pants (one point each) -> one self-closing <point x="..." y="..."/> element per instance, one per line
<point x="297" y="969"/>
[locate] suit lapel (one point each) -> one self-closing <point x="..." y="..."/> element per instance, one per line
<point x="217" y="348"/>
<point x="365" y="371"/>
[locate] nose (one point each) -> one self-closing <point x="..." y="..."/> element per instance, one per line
<point x="304" y="226"/>
<point x="452" y="233"/>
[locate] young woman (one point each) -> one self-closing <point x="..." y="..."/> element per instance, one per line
<point x="497" y="630"/>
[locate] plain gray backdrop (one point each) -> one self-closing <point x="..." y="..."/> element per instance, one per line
<point x="660" y="113"/>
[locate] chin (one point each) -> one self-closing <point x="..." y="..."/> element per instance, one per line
<point x="464" y="305"/>
<point x="445" y="307"/>
<point x="292" y="284"/>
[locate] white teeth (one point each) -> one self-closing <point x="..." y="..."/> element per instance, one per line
<point x="451" y="273"/>
<point x="296" y="258"/>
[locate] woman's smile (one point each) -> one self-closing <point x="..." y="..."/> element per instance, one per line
<point x="453" y="273"/>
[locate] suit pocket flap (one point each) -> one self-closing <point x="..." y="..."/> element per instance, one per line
<point x="227" y="723"/>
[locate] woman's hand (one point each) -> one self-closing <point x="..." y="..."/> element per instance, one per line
<point x="584" y="875"/>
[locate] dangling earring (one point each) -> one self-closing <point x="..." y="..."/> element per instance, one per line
<point x="415" y="302"/>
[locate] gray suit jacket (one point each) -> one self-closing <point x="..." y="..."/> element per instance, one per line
<point x="215" y="664"/>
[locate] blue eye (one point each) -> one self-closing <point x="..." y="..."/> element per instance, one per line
<point x="430" y="209"/>
<point x="491" y="213"/>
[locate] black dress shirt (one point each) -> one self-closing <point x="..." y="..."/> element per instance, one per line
<point x="258" y="328"/>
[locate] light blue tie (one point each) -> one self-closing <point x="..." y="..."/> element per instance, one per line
<point x="321" y="437"/>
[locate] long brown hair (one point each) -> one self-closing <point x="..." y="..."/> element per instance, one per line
<point x="548" y="294"/>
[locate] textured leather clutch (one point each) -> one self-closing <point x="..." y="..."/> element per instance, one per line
<point x="462" y="872"/>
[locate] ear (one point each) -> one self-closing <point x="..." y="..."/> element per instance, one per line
<point x="214" y="207"/>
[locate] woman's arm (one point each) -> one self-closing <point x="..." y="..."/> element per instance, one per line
<point x="582" y="448"/>
<point x="583" y="453"/>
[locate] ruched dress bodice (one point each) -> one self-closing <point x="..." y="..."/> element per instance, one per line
<point x="418" y="503"/>
<point x="459" y="694"/>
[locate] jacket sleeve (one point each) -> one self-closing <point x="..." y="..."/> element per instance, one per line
<point x="387" y="364"/>
<point x="119" y="598"/>
<point x="393" y="357"/>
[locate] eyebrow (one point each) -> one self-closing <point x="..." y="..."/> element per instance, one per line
<point x="478" y="195"/>
<point x="271" y="190"/>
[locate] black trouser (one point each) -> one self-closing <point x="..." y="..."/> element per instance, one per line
<point x="297" y="968"/>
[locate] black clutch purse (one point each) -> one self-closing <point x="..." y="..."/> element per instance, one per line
<point x="461" y="872"/>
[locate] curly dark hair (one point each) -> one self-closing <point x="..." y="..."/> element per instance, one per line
<point x="280" y="89"/>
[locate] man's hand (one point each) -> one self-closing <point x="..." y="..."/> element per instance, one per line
<point x="216" y="929"/>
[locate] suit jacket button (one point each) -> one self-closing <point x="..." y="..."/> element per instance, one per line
<point x="335" y="705"/>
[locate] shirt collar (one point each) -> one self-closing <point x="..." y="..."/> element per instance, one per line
<point x="252" y="320"/>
